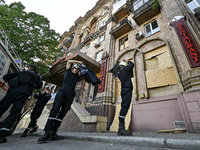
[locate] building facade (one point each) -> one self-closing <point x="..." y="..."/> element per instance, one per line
<point x="163" y="42"/>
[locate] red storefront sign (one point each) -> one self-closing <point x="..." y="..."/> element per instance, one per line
<point x="191" y="49"/>
<point x="103" y="75"/>
<point x="3" y="86"/>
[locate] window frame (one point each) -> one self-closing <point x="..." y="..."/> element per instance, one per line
<point x="152" y="30"/>
<point x="195" y="1"/>
<point x="87" y="48"/>
<point x="139" y="4"/>
<point x="102" y="35"/>
<point x="124" y="41"/>
<point x="98" y="53"/>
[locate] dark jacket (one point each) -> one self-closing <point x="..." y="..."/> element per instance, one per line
<point x="70" y="80"/>
<point x="23" y="87"/>
<point x="125" y="75"/>
<point x="42" y="99"/>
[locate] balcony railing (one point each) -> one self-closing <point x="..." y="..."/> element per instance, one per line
<point x="87" y="39"/>
<point x="145" y="12"/>
<point x="121" y="28"/>
<point x="68" y="42"/>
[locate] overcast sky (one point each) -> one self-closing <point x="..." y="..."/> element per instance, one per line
<point x="61" y="13"/>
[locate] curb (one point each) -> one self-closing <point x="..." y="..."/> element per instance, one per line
<point x="183" y="144"/>
<point x="141" y="141"/>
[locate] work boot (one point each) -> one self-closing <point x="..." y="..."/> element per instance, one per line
<point x="24" y="134"/>
<point x="122" y="131"/>
<point x="3" y="140"/>
<point x="44" y="138"/>
<point x="54" y="137"/>
<point x="34" y="129"/>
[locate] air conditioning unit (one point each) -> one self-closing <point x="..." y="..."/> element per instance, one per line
<point x="97" y="44"/>
<point x="139" y="35"/>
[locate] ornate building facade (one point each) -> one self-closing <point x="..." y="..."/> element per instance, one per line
<point x="162" y="41"/>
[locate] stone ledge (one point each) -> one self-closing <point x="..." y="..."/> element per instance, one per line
<point x="86" y="118"/>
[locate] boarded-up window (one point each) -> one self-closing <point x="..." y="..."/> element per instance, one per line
<point x="159" y="68"/>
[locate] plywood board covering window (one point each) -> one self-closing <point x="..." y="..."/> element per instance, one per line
<point x="159" y="68"/>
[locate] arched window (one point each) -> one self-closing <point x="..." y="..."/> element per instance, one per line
<point x="93" y="26"/>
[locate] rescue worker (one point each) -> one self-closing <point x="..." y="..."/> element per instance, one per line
<point x="62" y="102"/>
<point x="42" y="99"/>
<point x="21" y="85"/>
<point x="125" y="74"/>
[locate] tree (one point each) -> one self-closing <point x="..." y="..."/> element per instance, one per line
<point x="31" y="35"/>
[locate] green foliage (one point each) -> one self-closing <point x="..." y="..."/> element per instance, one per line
<point x="156" y="3"/>
<point x="31" y="35"/>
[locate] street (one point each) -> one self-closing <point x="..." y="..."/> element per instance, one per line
<point x="15" y="142"/>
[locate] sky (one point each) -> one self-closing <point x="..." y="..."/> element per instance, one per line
<point x="61" y="13"/>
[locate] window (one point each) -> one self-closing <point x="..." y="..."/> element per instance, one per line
<point x="117" y="4"/>
<point x="99" y="55"/>
<point x="192" y="4"/>
<point x="123" y="43"/>
<point x="87" y="48"/>
<point x="105" y="11"/>
<point x="93" y="26"/>
<point x="103" y="22"/>
<point x="138" y="3"/>
<point x="80" y="38"/>
<point x="151" y="28"/>
<point x="101" y="38"/>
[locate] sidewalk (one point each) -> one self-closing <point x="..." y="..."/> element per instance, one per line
<point x="186" y="141"/>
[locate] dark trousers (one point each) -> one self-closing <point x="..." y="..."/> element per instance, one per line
<point x="37" y="111"/>
<point x="17" y="100"/>
<point x="61" y="105"/>
<point x="126" y="94"/>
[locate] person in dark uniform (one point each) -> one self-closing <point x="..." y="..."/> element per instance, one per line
<point x="21" y="85"/>
<point x="62" y="102"/>
<point x="124" y="71"/>
<point x="42" y="99"/>
<point x="125" y="74"/>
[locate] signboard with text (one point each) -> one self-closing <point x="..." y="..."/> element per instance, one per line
<point x="103" y="75"/>
<point x="190" y="47"/>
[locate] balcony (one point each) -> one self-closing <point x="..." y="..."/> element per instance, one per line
<point x="68" y="42"/>
<point x="79" y="47"/>
<point x="121" y="28"/>
<point x="87" y="39"/>
<point x="121" y="13"/>
<point x="145" y="12"/>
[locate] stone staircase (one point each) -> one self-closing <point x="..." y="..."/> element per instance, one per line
<point x="78" y="119"/>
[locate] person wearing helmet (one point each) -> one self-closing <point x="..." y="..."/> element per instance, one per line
<point x="125" y="74"/>
<point x="62" y="102"/>
<point x="42" y="99"/>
